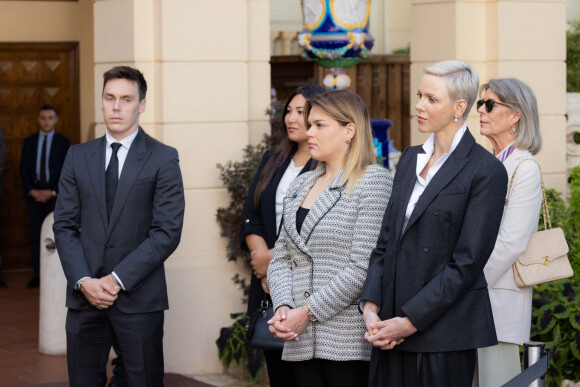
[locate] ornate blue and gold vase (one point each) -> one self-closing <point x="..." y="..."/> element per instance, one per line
<point x="336" y="35"/>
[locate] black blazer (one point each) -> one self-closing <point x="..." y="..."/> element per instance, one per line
<point x="261" y="220"/>
<point x="144" y="229"/>
<point x="58" y="150"/>
<point x="432" y="272"/>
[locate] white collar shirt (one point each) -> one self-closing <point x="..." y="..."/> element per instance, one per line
<point x="123" y="150"/>
<point x="422" y="160"/>
<point x="49" y="136"/>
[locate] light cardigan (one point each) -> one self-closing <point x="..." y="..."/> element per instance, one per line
<point x="512" y="306"/>
<point x="326" y="264"/>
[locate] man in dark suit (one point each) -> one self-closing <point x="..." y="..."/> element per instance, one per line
<point x="118" y="217"/>
<point x="42" y="157"/>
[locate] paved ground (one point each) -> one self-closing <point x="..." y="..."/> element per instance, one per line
<point x="22" y="365"/>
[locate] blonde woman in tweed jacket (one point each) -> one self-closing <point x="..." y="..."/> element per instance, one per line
<point x="331" y="222"/>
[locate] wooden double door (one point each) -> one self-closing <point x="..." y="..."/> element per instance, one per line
<point x="31" y="75"/>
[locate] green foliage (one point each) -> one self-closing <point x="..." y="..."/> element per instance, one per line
<point x="556" y="322"/>
<point x="237" y="177"/>
<point x="231" y="347"/>
<point x="573" y="57"/>
<point x="567" y="218"/>
<point x="404" y="50"/>
<point x="556" y="305"/>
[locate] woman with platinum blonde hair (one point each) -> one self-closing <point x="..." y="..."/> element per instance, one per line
<point x="425" y="300"/>
<point x="509" y="119"/>
<point x="331" y="221"/>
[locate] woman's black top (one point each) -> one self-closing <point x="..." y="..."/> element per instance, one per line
<point x="300" y="216"/>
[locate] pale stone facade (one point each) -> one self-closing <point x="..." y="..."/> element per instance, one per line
<point x="206" y="63"/>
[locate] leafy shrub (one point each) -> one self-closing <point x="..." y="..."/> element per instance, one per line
<point x="237" y="177"/>
<point x="231" y="347"/>
<point x="573" y="57"/>
<point x="556" y="322"/>
<point x="556" y="305"/>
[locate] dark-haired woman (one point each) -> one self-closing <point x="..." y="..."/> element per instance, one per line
<point x="263" y="210"/>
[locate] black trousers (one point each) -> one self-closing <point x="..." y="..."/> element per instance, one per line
<point x="89" y="336"/>
<point x="280" y="372"/>
<point x="328" y="373"/>
<point x="119" y="378"/>
<point x="36" y="214"/>
<point x="412" y="369"/>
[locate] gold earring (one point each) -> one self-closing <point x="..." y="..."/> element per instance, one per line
<point x="347" y="140"/>
<point x="512" y="130"/>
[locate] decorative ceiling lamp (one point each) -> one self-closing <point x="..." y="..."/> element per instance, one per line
<point x="336" y="36"/>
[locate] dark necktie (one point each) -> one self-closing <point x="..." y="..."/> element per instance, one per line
<point x="42" y="180"/>
<point x="112" y="178"/>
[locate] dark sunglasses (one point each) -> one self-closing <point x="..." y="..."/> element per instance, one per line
<point x="489" y="104"/>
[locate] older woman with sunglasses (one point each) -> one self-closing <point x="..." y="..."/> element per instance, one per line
<point x="509" y="119"/>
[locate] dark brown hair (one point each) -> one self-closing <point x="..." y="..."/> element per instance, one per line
<point x="286" y="146"/>
<point x="129" y="73"/>
<point x="48" y="107"/>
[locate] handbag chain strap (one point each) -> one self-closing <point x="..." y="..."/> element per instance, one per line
<point x="545" y="209"/>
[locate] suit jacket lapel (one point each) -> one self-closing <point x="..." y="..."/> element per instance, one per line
<point x="448" y="171"/>
<point x="409" y="177"/>
<point x="292" y="201"/>
<point x="322" y="205"/>
<point x="96" y="167"/>
<point x="133" y="163"/>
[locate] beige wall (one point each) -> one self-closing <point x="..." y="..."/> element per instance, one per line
<point x="390" y="25"/>
<point x="500" y="38"/>
<point x="206" y="63"/>
<point x="48" y="21"/>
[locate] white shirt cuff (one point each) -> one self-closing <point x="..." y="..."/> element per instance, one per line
<point x="118" y="280"/>
<point x="78" y="284"/>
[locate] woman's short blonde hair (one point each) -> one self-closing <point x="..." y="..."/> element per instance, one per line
<point x="347" y="107"/>
<point x="462" y="81"/>
<point x="520" y="98"/>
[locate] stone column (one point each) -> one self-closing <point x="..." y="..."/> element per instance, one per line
<point x="52" y="311"/>
<point x="501" y="38"/>
<point x="207" y="66"/>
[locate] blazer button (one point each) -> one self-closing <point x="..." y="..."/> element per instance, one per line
<point x="306" y="294"/>
<point x="247" y="220"/>
<point x="107" y="248"/>
<point x="425" y="249"/>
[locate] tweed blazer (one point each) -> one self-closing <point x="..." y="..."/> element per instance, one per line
<point x="512" y="306"/>
<point x="326" y="263"/>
